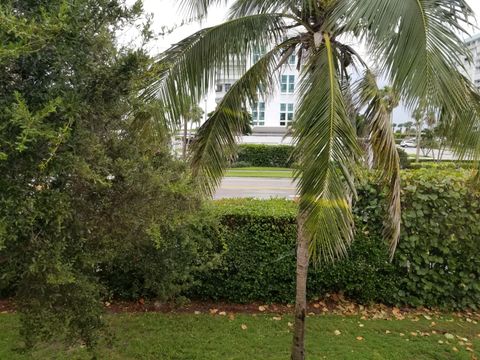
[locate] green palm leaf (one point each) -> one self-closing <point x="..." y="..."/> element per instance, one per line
<point x="325" y="148"/>
<point x="215" y="143"/>
<point x="415" y="43"/>
<point x="188" y="68"/>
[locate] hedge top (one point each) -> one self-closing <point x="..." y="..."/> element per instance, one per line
<point x="276" y="208"/>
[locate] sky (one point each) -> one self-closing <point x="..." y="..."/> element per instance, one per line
<point x="167" y="14"/>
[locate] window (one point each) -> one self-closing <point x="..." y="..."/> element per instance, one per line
<point x="219" y="88"/>
<point x="227" y="87"/>
<point x="257" y="54"/>
<point x="287" y="84"/>
<point x="286" y="114"/>
<point x="258" y="114"/>
<point x="292" y="60"/>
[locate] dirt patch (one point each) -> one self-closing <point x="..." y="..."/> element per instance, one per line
<point x="6" y="306"/>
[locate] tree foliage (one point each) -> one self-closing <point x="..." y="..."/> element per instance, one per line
<point x="87" y="179"/>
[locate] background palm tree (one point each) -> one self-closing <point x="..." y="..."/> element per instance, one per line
<point x="192" y="113"/>
<point x="415" y="46"/>
<point x="408" y="127"/>
<point x="418" y="115"/>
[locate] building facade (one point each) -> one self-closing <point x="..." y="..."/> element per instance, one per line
<point x="473" y="69"/>
<point x="270" y="115"/>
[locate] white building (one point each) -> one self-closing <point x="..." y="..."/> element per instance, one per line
<point x="473" y="69"/>
<point x="271" y="116"/>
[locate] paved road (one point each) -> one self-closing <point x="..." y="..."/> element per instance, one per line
<point x="261" y="188"/>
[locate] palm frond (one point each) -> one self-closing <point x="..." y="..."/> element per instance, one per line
<point x="416" y="45"/>
<point x="325" y="147"/>
<point x="189" y="67"/>
<point x="462" y="130"/>
<point x="378" y="106"/>
<point x="242" y="8"/>
<point x="198" y="8"/>
<point x="215" y="143"/>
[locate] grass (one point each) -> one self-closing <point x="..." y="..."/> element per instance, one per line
<point x="260" y="172"/>
<point x="206" y="337"/>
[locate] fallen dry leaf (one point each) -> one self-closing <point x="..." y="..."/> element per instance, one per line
<point x="387" y="331"/>
<point x="449" y="336"/>
<point x="213" y="311"/>
<point x="440" y="341"/>
<point x="276" y="318"/>
<point x="337" y="332"/>
<point x="413" y="333"/>
<point x="402" y="334"/>
<point x="290" y="324"/>
<point x="359" y="338"/>
<point x="397" y="313"/>
<point x="454" y="349"/>
<point x="222" y="313"/>
<point x="196" y="312"/>
<point x="231" y="317"/>
<point x="262" y="308"/>
<point x="243" y="326"/>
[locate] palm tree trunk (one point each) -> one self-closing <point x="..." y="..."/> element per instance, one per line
<point x="184" y="145"/>
<point x="298" y="345"/>
<point x="419" y="139"/>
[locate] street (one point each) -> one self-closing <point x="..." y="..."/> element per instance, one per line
<point x="260" y="188"/>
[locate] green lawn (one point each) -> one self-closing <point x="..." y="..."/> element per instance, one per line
<point x="260" y="172"/>
<point x="207" y="337"/>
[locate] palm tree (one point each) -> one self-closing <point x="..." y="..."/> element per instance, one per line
<point x="414" y="44"/>
<point x="400" y="127"/>
<point x="418" y="115"/>
<point x="192" y="113"/>
<point x="408" y="127"/>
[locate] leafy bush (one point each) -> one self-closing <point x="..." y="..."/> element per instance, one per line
<point x="439" y="257"/>
<point x="437" y="262"/>
<point x="259" y="264"/>
<point x="89" y="192"/>
<point x="442" y="165"/>
<point x="404" y="160"/>
<point x="280" y="156"/>
<point x="264" y="155"/>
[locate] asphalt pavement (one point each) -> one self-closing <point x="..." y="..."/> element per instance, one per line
<point x="260" y="188"/>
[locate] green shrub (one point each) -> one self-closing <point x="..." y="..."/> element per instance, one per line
<point x="437" y="262"/>
<point x="439" y="256"/>
<point x="259" y="264"/>
<point x="404" y="160"/>
<point x="442" y="165"/>
<point x="264" y="155"/>
<point x="280" y="156"/>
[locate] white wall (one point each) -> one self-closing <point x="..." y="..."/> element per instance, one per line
<point x="272" y="103"/>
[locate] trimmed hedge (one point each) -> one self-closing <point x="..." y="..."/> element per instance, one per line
<point x="280" y="156"/>
<point x="437" y="262"/>
<point x="264" y="155"/>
